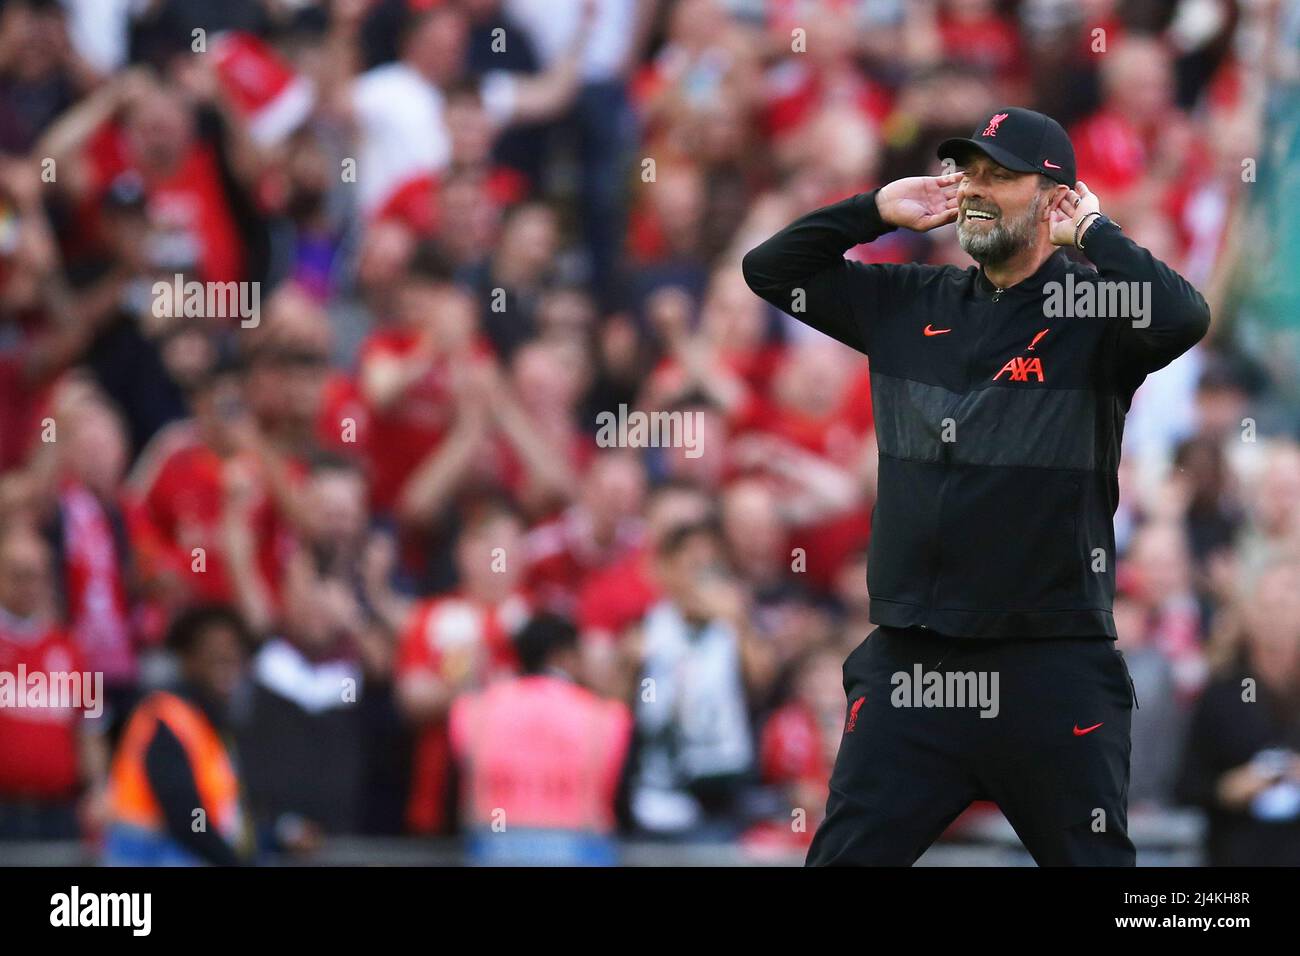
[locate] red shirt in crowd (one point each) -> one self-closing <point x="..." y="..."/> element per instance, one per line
<point x="1110" y="152"/>
<point x="399" y="437"/>
<point x="792" y="749"/>
<point x="343" y="419"/>
<point x="20" y="410"/>
<point x="181" y="498"/>
<point x="795" y="92"/>
<point x="38" y="745"/>
<point x="827" y="544"/>
<point x="94" y="571"/>
<point x="990" y="43"/>
<point x="617" y="597"/>
<point x="562" y="556"/>
<point x="189" y="205"/>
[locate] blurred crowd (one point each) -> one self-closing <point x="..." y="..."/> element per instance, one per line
<point x="369" y="515"/>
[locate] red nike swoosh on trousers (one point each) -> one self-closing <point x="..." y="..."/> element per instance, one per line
<point x="929" y="331"/>
<point x="1086" y="730"/>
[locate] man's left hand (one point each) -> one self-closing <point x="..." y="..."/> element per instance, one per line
<point x="1070" y="211"/>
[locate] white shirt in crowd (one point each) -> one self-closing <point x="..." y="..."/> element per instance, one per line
<point x="403" y="130"/>
<point x="551" y="25"/>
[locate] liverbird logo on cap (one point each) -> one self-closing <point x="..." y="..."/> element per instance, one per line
<point x="992" y="128"/>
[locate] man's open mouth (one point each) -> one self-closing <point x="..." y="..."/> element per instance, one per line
<point x="980" y="215"/>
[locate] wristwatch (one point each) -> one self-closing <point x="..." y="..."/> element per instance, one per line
<point x="1089" y="222"/>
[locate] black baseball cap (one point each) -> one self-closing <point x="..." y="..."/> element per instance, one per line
<point x="1020" y="139"/>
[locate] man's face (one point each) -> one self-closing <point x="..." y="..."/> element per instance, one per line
<point x="159" y="127"/>
<point x="219" y="409"/>
<point x="338" y="497"/>
<point x="310" y="606"/>
<point x="1272" y="619"/>
<point x="999" y="210"/>
<point x="24" y="574"/>
<point x="216" y="662"/>
<point x="488" y="558"/>
<point x="436" y="46"/>
<point x="683" y="574"/>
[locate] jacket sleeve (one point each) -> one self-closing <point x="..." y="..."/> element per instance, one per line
<point x="172" y="780"/>
<point x="1177" y="316"/>
<point x="802" y="270"/>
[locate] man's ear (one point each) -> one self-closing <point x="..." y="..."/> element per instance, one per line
<point x="1059" y="192"/>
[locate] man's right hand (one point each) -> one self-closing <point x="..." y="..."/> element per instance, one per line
<point x="920" y="203"/>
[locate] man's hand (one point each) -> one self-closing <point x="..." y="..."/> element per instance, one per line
<point x="920" y="203"/>
<point x="1070" y="211"/>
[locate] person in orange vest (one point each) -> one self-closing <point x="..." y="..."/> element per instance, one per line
<point x="540" y="758"/>
<point x="174" y="789"/>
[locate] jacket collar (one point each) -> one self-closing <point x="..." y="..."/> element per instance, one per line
<point x="215" y="711"/>
<point x="1053" y="267"/>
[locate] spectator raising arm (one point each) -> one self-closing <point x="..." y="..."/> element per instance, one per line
<point x="698" y="365"/>
<point x="66" y="138"/>
<point x="240" y="546"/>
<point x="551" y="473"/>
<point x="544" y="96"/>
<point x="431" y="486"/>
<point x="385" y="378"/>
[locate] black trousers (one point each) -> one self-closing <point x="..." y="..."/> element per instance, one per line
<point x="1051" y="749"/>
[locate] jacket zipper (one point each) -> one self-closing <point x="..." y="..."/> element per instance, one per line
<point x="943" y="484"/>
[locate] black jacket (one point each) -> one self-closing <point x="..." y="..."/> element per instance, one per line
<point x="172" y="779"/>
<point x="998" y="423"/>
<point x="1225" y="733"/>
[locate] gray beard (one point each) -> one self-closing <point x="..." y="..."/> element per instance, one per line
<point x="1002" y="241"/>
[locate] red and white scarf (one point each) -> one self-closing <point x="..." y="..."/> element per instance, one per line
<point x="95" y="590"/>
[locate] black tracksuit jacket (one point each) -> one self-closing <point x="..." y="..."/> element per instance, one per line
<point x="998" y="426"/>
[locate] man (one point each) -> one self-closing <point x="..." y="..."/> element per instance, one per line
<point x="88" y="528"/>
<point x="541" y="757"/>
<point x="193" y="481"/>
<point x="695" y="755"/>
<point x="143" y="124"/>
<point x="455" y="642"/>
<point x="53" y="754"/>
<point x="174" y="788"/>
<point x="999" y="410"/>
<point x="301" y="740"/>
<point x="400" y="108"/>
<point x="612" y="600"/>
<point x="601" y="528"/>
<point x="1241" y="760"/>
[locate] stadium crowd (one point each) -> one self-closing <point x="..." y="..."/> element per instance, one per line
<point x="364" y="502"/>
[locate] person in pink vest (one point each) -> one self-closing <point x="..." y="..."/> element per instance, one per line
<point x="540" y="758"/>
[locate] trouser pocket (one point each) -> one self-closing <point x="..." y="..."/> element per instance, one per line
<point x="1128" y="677"/>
